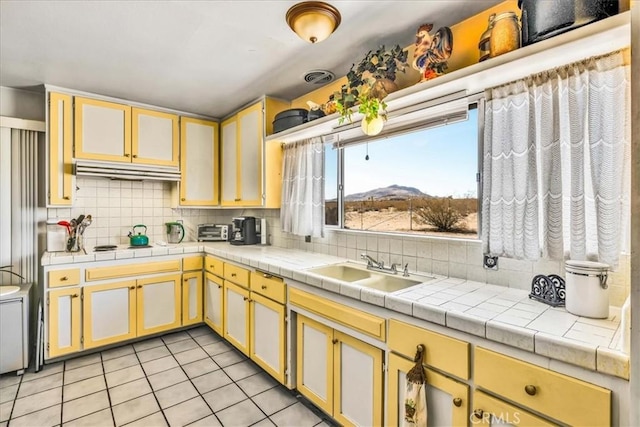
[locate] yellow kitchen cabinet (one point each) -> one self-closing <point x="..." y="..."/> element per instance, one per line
<point x="244" y="161"/>
<point x="236" y="316"/>
<point x="115" y="312"/>
<point x="198" y="162"/>
<point x="60" y="147"/>
<point x="191" y="298"/>
<point x="65" y="333"/>
<point x="556" y="396"/>
<point x="340" y="374"/>
<point x="447" y="399"/>
<point x="214" y="302"/>
<point x="114" y="132"/>
<point x="490" y="411"/>
<point x="66" y="277"/>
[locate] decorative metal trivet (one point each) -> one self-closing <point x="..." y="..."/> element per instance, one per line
<point x="548" y="289"/>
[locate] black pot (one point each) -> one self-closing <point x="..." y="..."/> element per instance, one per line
<point x="544" y="19"/>
<point x="315" y="114"/>
<point x="289" y="118"/>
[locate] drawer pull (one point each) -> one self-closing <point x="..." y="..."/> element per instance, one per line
<point x="233" y="274"/>
<point x="457" y="402"/>
<point x="211" y="267"/>
<point x="263" y="287"/>
<point x="530" y="389"/>
<point x="478" y="413"/>
<point x="74" y="296"/>
<point x="64" y="278"/>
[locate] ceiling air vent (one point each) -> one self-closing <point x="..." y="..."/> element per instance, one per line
<point x="319" y="77"/>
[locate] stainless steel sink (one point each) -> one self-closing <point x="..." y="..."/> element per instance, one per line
<point x="359" y="275"/>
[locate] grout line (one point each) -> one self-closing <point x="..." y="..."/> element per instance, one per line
<point x="152" y="392"/>
<point x="104" y="377"/>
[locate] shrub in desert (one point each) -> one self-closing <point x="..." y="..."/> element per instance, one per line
<point x="439" y="213"/>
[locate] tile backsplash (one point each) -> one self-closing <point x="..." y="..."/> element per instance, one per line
<point x="116" y="206"/>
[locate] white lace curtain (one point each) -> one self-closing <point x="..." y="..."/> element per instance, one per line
<point x="557" y="163"/>
<point x="302" y="208"/>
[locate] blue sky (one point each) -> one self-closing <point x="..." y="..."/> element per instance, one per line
<point x="440" y="162"/>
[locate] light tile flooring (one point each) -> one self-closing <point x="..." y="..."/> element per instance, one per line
<point x="190" y="378"/>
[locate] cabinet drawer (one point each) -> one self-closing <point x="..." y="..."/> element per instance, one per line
<point x="444" y="353"/>
<point x="563" y="398"/>
<point x="59" y="278"/>
<point x="488" y="410"/>
<point x="237" y="275"/>
<point x="269" y="286"/>
<point x="101" y="273"/>
<point x="366" y="323"/>
<point x="213" y="265"/>
<point x="192" y="263"/>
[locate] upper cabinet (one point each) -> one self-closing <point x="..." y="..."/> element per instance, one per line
<point x="245" y="161"/>
<point x="60" y="147"/>
<point x="119" y="133"/>
<point x="198" y="162"/>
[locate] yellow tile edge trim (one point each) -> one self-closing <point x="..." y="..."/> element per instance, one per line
<point x="368" y="324"/>
<point x="101" y="273"/>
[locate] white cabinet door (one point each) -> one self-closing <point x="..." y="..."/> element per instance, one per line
<point x="102" y="130"/>
<point x="447" y="399"/>
<point x="191" y="298"/>
<point x="64" y="325"/>
<point x="213" y="303"/>
<point x="60" y="149"/>
<point x="11" y="336"/>
<point x="357" y="382"/>
<point x="268" y="335"/>
<point x="250" y="140"/>
<point x="154" y="137"/>
<point x="109" y="313"/>
<point x="314" y="367"/>
<point x="229" y="164"/>
<point x="158" y="304"/>
<point x="236" y="316"/>
<point x="198" y="162"/>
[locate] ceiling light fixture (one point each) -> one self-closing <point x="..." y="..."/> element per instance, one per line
<point x="313" y="21"/>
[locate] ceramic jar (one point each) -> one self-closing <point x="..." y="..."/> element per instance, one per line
<point x="505" y="35"/>
<point x="484" y="46"/>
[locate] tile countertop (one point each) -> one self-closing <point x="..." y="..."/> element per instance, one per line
<point x="497" y="313"/>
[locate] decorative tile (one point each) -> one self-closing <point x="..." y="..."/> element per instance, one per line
<point x="612" y="362"/>
<point x="511" y="335"/>
<point x="244" y="413"/>
<point x="200" y="367"/>
<point x="135" y="409"/>
<point x="129" y="391"/>
<point x="430" y="313"/>
<point x="466" y="323"/>
<point x="241" y="370"/>
<point x="117" y="352"/>
<point x="565" y="350"/>
<point x="183" y="345"/>
<point x="274" y="400"/>
<point x="296" y="415"/>
<point x="82" y="361"/>
<point x="155" y="420"/>
<point x="84" y="406"/>
<point x="83" y="373"/>
<point x="83" y="388"/>
<point x="37" y="401"/>
<point x="224" y="397"/>
<point x="153" y="353"/>
<point x="159" y="365"/>
<point x="186" y="412"/>
<point x="228" y="358"/>
<point x="97" y="419"/>
<point x="124" y="375"/>
<point x="190" y="355"/>
<point x="43" y="418"/>
<point x="120" y="363"/>
<point x="167" y="378"/>
<point x="211" y="381"/>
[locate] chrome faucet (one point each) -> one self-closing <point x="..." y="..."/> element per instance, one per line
<point x="372" y="264"/>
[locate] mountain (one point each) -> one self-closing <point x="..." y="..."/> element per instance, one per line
<point x="392" y="192"/>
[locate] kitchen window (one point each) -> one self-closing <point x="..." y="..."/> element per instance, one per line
<point x="418" y="182"/>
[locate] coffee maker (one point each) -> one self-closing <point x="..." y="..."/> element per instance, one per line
<point x="244" y="231"/>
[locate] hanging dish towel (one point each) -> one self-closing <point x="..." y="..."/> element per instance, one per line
<point x="415" y="400"/>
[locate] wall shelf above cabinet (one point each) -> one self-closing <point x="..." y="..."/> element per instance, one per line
<point x="595" y="39"/>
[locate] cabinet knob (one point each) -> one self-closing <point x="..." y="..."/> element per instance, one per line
<point x="135" y="156"/>
<point x="132" y="287"/>
<point x="478" y="413"/>
<point x="233" y="274"/>
<point x="66" y="197"/>
<point x="457" y="402"/>
<point x="263" y="287"/>
<point x="236" y="200"/>
<point x="74" y="296"/>
<point x="335" y="340"/>
<point x="127" y="154"/>
<point x="64" y="278"/>
<point x="219" y="286"/>
<point x="530" y="389"/>
<point x="183" y="199"/>
<point x="185" y="279"/>
<point x="245" y="298"/>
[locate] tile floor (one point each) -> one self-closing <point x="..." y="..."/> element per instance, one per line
<point x="191" y="377"/>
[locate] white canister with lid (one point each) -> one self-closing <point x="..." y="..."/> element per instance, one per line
<point x="587" y="292"/>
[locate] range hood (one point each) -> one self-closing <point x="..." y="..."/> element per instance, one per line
<point x="126" y="171"/>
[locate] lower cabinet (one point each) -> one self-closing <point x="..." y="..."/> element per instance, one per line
<point x="115" y="312"/>
<point x="213" y="302"/>
<point x="340" y="374"/>
<point x="191" y="298"/>
<point x="64" y="321"/>
<point x="267" y="343"/>
<point x="447" y="399"/>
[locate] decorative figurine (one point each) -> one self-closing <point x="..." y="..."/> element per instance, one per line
<point x="432" y="52"/>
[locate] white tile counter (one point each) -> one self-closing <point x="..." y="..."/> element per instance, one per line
<point x="497" y="313"/>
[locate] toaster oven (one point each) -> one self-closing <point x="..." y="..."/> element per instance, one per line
<point x="214" y="232"/>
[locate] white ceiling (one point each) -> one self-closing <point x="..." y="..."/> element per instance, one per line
<point x="204" y="57"/>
